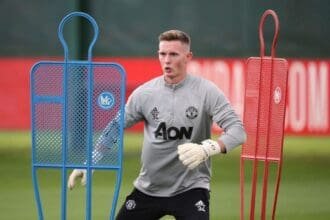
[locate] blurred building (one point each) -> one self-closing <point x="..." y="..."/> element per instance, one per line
<point x="219" y="28"/>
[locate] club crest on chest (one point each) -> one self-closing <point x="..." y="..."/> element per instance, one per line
<point x="191" y="112"/>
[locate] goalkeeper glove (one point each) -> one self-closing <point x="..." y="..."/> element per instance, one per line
<point x="191" y="154"/>
<point x="77" y="173"/>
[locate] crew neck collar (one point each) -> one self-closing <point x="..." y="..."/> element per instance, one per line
<point x="177" y="85"/>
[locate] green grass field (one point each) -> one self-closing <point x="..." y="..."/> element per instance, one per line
<point x="304" y="191"/>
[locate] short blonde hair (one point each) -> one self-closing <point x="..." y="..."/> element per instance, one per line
<point x="172" y="35"/>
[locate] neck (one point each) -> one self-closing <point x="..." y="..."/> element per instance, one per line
<point x="174" y="80"/>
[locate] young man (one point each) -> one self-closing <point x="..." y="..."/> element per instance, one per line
<point x="178" y="110"/>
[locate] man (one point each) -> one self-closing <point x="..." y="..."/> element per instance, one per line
<point x="178" y="110"/>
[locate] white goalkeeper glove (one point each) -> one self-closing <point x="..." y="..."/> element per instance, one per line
<point x="191" y="155"/>
<point x="76" y="174"/>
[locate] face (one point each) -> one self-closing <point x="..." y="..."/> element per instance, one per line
<point x="173" y="57"/>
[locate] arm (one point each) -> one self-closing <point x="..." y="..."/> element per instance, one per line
<point x="226" y="118"/>
<point x="109" y="137"/>
<point x="219" y="108"/>
<point x="106" y="141"/>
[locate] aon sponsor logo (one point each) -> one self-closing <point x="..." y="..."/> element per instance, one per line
<point x="172" y="133"/>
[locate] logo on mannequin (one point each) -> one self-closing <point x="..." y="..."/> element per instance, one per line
<point x="106" y="100"/>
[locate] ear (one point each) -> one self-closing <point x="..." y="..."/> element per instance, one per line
<point x="189" y="55"/>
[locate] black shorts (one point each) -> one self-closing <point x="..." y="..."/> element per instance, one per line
<point x="190" y="205"/>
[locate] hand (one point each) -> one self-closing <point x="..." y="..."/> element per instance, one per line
<point x="77" y="173"/>
<point x="191" y="155"/>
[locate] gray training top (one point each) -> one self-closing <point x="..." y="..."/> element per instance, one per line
<point x="173" y="115"/>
